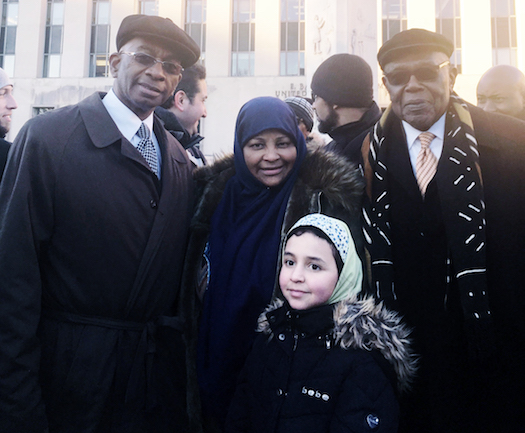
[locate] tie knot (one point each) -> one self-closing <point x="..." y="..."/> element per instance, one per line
<point x="143" y="131"/>
<point x="426" y="138"/>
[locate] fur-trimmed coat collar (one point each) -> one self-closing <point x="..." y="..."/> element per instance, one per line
<point x="326" y="181"/>
<point x="366" y="325"/>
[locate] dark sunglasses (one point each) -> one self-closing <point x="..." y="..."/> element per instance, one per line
<point x="148" y="61"/>
<point x="424" y="73"/>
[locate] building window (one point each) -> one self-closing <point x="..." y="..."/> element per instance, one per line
<point x="8" y="35"/>
<point x="504" y="38"/>
<point x="394" y="18"/>
<point x="53" y="41"/>
<point x="243" y="37"/>
<point x="448" y="23"/>
<point x="195" y="24"/>
<point x="149" y="7"/>
<point x="292" y="37"/>
<point x="100" y="27"/>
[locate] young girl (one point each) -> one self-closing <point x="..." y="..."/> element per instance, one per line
<point x="326" y="361"/>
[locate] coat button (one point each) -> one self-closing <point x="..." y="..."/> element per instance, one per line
<point x="372" y="421"/>
<point x="282" y="337"/>
<point x="280" y="392"/>
<point x="153" y="204"/>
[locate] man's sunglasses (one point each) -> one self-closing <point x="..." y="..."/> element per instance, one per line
<point x="148" y="61"/>
<point x="424" y="73"/>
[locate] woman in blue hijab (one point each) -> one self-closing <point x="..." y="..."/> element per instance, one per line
<point x="245" y="204"/>
<point x="244" y="244"/>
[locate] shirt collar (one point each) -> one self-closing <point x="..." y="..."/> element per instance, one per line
<point x="438" y="129"/>
<point x="126" y="120"/>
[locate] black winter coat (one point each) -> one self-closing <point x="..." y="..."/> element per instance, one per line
<point x="91" y="253"/>
<point x="326" y="183"/>
<point x="333" y="368"/>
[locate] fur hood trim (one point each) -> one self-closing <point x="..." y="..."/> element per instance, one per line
<point x="324" y="177"/>
<point x="366" y="325"/>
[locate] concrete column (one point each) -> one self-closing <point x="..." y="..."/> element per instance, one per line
<point x="476" y="46"/>
<point x="218" y="38"/>
<point x="76" y="39"/>
<point x="267" y="37"/>
<point x="422" y="14"/>
<point x="30" y="37"/>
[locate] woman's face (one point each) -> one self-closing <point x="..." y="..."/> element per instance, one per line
<point x="270" y="156"/>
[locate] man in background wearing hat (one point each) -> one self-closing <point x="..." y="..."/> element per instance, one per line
<point x="446" y="231"/>
<point x="343" y="101"/>
<point x="7" y="105"/>
<point x="96" y="202"/>
<point x="502" y="90"/>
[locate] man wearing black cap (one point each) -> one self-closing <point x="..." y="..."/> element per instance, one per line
<point x="343" y="101"/>
<point x="445" y="227"/>
<point x="96" y="204"/>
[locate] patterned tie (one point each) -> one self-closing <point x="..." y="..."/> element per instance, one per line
<point x="426" y="163"/>
<point x="147" y="148"/>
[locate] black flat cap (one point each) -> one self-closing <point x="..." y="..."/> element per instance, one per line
<point x="413" y="41"/>
<point x="163" y="31"/>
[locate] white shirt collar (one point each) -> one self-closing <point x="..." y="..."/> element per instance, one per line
<point x="126" y="120"/>
<point x="438" y="129"/>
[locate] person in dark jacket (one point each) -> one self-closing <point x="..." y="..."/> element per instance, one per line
<point x="182" y="112"/>
<point x="446" y="230"/>
<point x="7" y="105"/>
<point x="96" y="204"/>
<point x="342" y="92"/>
<point x="326" y="361"/>
<point x="244" y="203"/>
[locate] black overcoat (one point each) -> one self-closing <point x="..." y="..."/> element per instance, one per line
<point x="454" y="393"/>
<point x="91" y="251"/>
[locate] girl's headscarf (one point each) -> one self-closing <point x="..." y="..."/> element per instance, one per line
<point x="351" y="276"/>
<point x="243" y="254"/>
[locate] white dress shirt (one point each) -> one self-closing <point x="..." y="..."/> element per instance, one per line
<point x="414" y="145"/>
<point x="129" y="123"/>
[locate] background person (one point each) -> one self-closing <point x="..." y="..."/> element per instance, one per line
<point x="502" y="90"/>
<point x="445" y="227"/>
<point x="244" y="203"/>
<point x="182" y="112"/>
<point x="342" y="96"/>
<point x="325" y="361"/>
<point x="7" y="105"/>
<point x="93" y="229"/>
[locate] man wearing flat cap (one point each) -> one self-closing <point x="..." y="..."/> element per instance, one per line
<point x="446" y="231"/>
<point x="343" y="101"/>
<point x="96" y="202"/>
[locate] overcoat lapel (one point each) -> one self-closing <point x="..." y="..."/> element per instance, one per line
<point x="398" y="159"/>
<point x="174" y="192"/>
<point x="103" y="132"/>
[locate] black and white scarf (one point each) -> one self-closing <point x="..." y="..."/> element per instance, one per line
<point x="461" y="194"/>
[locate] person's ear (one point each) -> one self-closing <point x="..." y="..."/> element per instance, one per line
<point x="114" y="64"/>
<point x="179" y="99"/>
<point x="453" y="73"/>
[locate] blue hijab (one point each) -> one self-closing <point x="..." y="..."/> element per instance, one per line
<point x="243" y="254"/>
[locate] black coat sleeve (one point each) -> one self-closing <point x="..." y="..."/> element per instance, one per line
<point x="26" y="217"/>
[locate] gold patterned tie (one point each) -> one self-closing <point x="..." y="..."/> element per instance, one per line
<point x="426" y="163"/>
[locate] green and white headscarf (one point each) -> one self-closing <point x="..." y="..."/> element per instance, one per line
<point x="350" y="279"/>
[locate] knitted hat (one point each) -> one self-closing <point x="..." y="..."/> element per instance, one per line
<point x="302" y="109"/>
<point x="163" y="31"/>
<point x="344" y="79"/>
<point x="413" y="41"/>
<point x="4" y="79"/>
